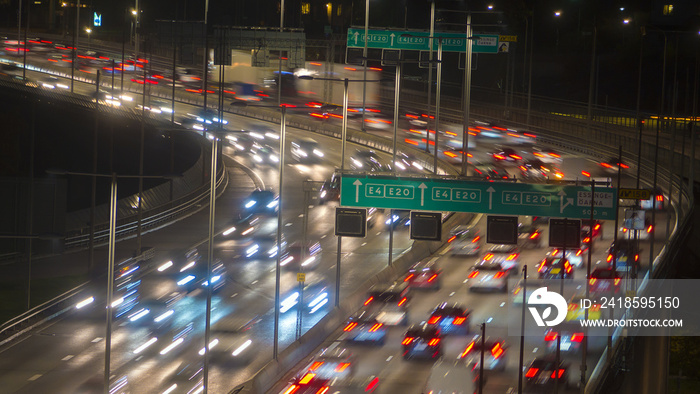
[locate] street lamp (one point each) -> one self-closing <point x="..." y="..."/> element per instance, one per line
<point x="110" y="254"/>
<point x="88" y="31"/>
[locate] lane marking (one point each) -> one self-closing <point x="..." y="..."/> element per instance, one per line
<point x="389" y="359"/>
<point x="35" y="377"/>
<point x="234" y="294"/>
<point x="68" y="357"/>
<point x="96" y="340"/>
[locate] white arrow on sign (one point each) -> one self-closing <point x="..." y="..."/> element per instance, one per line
<point x="422" y="188"/>
<point x="392" y="35"/>
<point x="356" y="34"/>
<point x="357" y="184"/>
<point x="562" y="204"/>
<point x="490" y="190"/>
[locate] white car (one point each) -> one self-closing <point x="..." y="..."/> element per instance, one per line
<point x="488" y="277"/>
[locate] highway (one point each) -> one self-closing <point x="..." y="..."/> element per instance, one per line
<point x="67" y="352"/>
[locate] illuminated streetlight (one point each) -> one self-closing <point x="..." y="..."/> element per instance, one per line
<point x="88" y="31"/>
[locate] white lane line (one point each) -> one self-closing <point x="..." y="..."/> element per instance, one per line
<point x="364" y="243"/>
<point x="535" y="350"/>
<point x="96" y="340"/>
<point x="389" y="359"/>
<point x="68" y="357"/>
<point x="452" y="294"/>
<point x="234" y="294"/>
<point x="253" y="282"/>
<point x="35" y="377"/>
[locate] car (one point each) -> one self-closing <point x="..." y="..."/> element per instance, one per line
<point x="262" y="153"/>
<point x="301" y="257"/>
<point x="530" y="236"/>
<point x="375" y="120"/>
<point x="627" y="254"/>
<point x="450" y="318"/>
<point x="604" y="280"/>
<point x="262" y="201"/>
<point x="157" y="313"/>
<point x="537" y="171"/>
<point x="400" y="218"/>
<point x="407" y="163"/>
<point x="656" y="201"/>
<point x="575" y="256"/>
<point x="488" y="276"/>
<point x="106" y="98"/>
<point x="631" y="228"/>
<point x="569" y="341"/>
<point x="51" y="82"/>
<point x="197" y="278"/>
<point x="465" y="240"/>
<point x="490" y="172"/>
<point x="365" y="160"/>
<point x="314" y="296"/>
<point x="495" y="354"/>
<point x="306" y="150"/>
<point x="208" y="116"/>
<point x="555" y="268"/>
<point x="504" y="155"/>
<point x="576" y="311"/>
<point x="590" y="231"/>
<point x="613" y="165"/>
<point x="334" y="362"/>
<point x="241" y="141"/>
<point x="508" y="256"/>
<point x="390" y="302"/>
<point x="363" y="327"/>
<point x="330" y="190"/>
<point x="543" y="372"/>
<point x="424" y="274"/>
<point x="546" y="155"/>
<point x="233" y="341"/>
<point x="422" y="341"/>
<point x="157" y="106"/>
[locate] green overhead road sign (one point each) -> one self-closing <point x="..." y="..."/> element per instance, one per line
<point x="450" y="195"/>
<point x="420" y="41"/>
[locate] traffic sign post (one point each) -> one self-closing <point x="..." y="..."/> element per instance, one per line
<point x="498" y="198"/>
<point x="417" y="40"/>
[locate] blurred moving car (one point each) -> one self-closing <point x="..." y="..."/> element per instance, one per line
<point x="424" y="274"/>
<point x="546" y="155"/>
<point x="569" y="341"/>
<point x="264" y="154"/>
<point x="333" y="362"/>
<point x="301" y="257"/>
<point x="612" y="166"/>
<point x="330" y="190"/>
<point x="555" y="268"/>
<point x="627" y="254"/>
<point x="422" y="341"/>
<point x="488" y="276"/>
<point x="656" y="201"/>
<point x="505" y="155"/>
<point x="450" y="319"/>
<point x="306" y="150"/>
<point x="363" y="327"/>
<point x="508" y="256"/>
<point x="542" y="374"/>
<point x="398" y="218"/>
<point x="365" y="160"/>
<point x="390" y="302"/>
<point x="530" y="236"/>
<point x="604" y="280"/>
<point x="262" y="202"/>
<point x="574" y="256"/>
<point x="233" y="341"/>
<point x="465" y="240"/>
<point x="537" y="171"/>
<point x="495" y="355"/>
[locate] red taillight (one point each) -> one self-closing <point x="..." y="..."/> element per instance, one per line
<point x="375" y="327"/>
<point x="368" y="300"/>
<point x="350" y="326"/>
<point x="541" y="266"/>
<point x="659" y="198"/>
<point x="497" y="350"/>
<point x="315" y="365"/>
<point x="534" y="235"/>
<point x="458" y="321"/>
<point x="467" y="350"/>
<point x="587" y="240"/>
<point x="577" y="337"/>
<point x="606" y="165"/>
<point x="561" y="372"/>
<point x="476" y="239"/>
<point x="586" y="174"/>
<point x="592" y="281"/>
<point x="623" y="165"/>
<point x="499" y="157"/>
<point x="407" y="340"/>
<point x="488" y="256"/>
<point x="292" y="389"/>
<point x="578" y="252"/>
<point x="434" y="319"/>
<point x="512" y="257"/>
<point x="572" y="307"/>
<point x="531" y="372"/>
<point x="473" y="274"/>
<point x="322" y="390"/>
<point x="499" y="275"/>
<point x="550" y="336"/>
<point x="342" y="367"/>
<point x="617" y="281"/>
<point x="372" y="385"/>
<point x="434" y="342"/>
<point x="432" y="278"/>
<point x="596" y="227"/>
<point x="609" y="259"/>
<point x="516" y="157"/>
<point x="595" y="307"/>
<point x="568" y="267"/>
<point x="452" y="238"/>
<point x="636" y="257"/>
<point x="409" y="277"/>
<point x="307" y="378"/>
<point x="403" y="301"/>
<point x="650" y="228"/>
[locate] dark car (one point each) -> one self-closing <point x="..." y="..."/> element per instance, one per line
<point x="390" y="301"/>
<point x="424" y="275"/>
<point x="400" y="218"/>
<point x="612" y="165"/>
<point x="365" y="160"/>
<point x="627" y="254"/>
<point x="306" y="150"/>
<point x="538" y="171"/>
<point x="542" y="374"/>
<point x="494" y="354"/>
<point x="422" y="341"/>
<point x="363" y="327"/>
<point x="530" y="236"/>
<point x="554" y="268"/>
<point x="330" y="190"/>
<point x="506" y="155"/>
<point x="450" y="318"/>
<point x="261" y="202"/>
<point x="465" y="240"/>
<point x="604" y="280"/>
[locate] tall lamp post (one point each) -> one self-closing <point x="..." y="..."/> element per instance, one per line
<point x="88" y="31"/>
